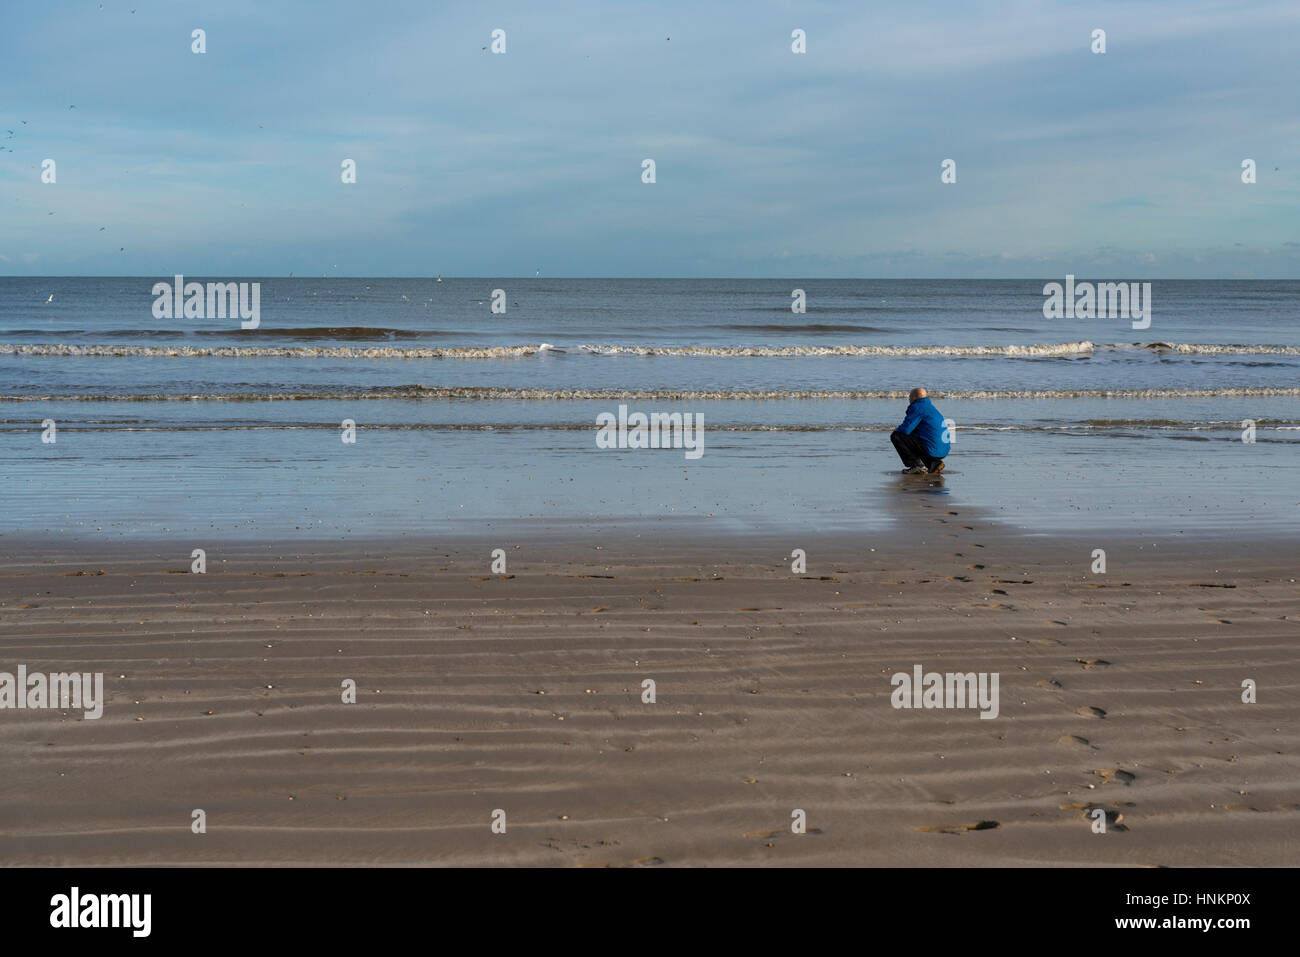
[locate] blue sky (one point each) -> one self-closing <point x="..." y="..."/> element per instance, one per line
<point x="1122" y="165"/>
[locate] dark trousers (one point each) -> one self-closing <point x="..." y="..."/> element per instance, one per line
<point x="912" y="450"/>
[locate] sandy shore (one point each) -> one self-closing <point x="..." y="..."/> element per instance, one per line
<point x="478" y="692"/>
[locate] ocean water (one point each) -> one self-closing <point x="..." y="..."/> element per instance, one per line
<point x="469" y="419"/>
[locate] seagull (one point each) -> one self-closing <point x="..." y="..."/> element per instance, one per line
<point x="51" y="299"/>
<point x="102" y="228"/>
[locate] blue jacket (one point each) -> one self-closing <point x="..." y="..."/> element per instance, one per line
<point x="924" y="420"/>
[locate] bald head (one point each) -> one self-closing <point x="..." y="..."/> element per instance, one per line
<point x="917" y="393"/>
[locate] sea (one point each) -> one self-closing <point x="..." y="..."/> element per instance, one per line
<point x="116" y="422"/>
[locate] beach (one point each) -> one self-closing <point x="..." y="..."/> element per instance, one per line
<point x="480" y="693"/>
<point x="381" y="583"/>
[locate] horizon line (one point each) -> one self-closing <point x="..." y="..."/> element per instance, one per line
<point x="435" y="278"/>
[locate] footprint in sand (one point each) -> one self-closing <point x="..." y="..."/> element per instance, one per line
<point x="1113" y="817"/>
<point x="1090" y="663"/>
<point x="1111" y="775"/>
<point x="961" y="828"/>
<point x="1074" y="741"/>
<point x="1050" y="683"/>
<point x="1090" y="712"/>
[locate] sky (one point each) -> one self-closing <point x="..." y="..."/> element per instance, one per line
<point x="768" y="163"/>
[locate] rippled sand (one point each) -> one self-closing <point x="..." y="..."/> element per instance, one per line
<point x="523" y="692"/>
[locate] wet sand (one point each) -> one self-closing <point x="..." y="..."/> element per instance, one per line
<point x="523" y="692"/>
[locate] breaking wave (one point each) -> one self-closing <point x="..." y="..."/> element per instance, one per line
<point x="1050" y="350"/>
<point x="669" y="395"/>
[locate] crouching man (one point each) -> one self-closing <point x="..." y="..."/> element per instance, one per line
<point x="919" y="438"/>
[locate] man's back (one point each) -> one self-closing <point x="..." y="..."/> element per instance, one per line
<point x="925" y="422"/>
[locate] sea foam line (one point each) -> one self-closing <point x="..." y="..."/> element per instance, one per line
<point x="1060" y="349"/>
<point x="380" y="393"/>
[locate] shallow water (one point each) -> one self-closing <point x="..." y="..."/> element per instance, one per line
<point x="1062" y="425"/>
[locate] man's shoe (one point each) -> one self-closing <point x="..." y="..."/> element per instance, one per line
<point x="937" y="467"/>
<point x="916" y="470"/>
